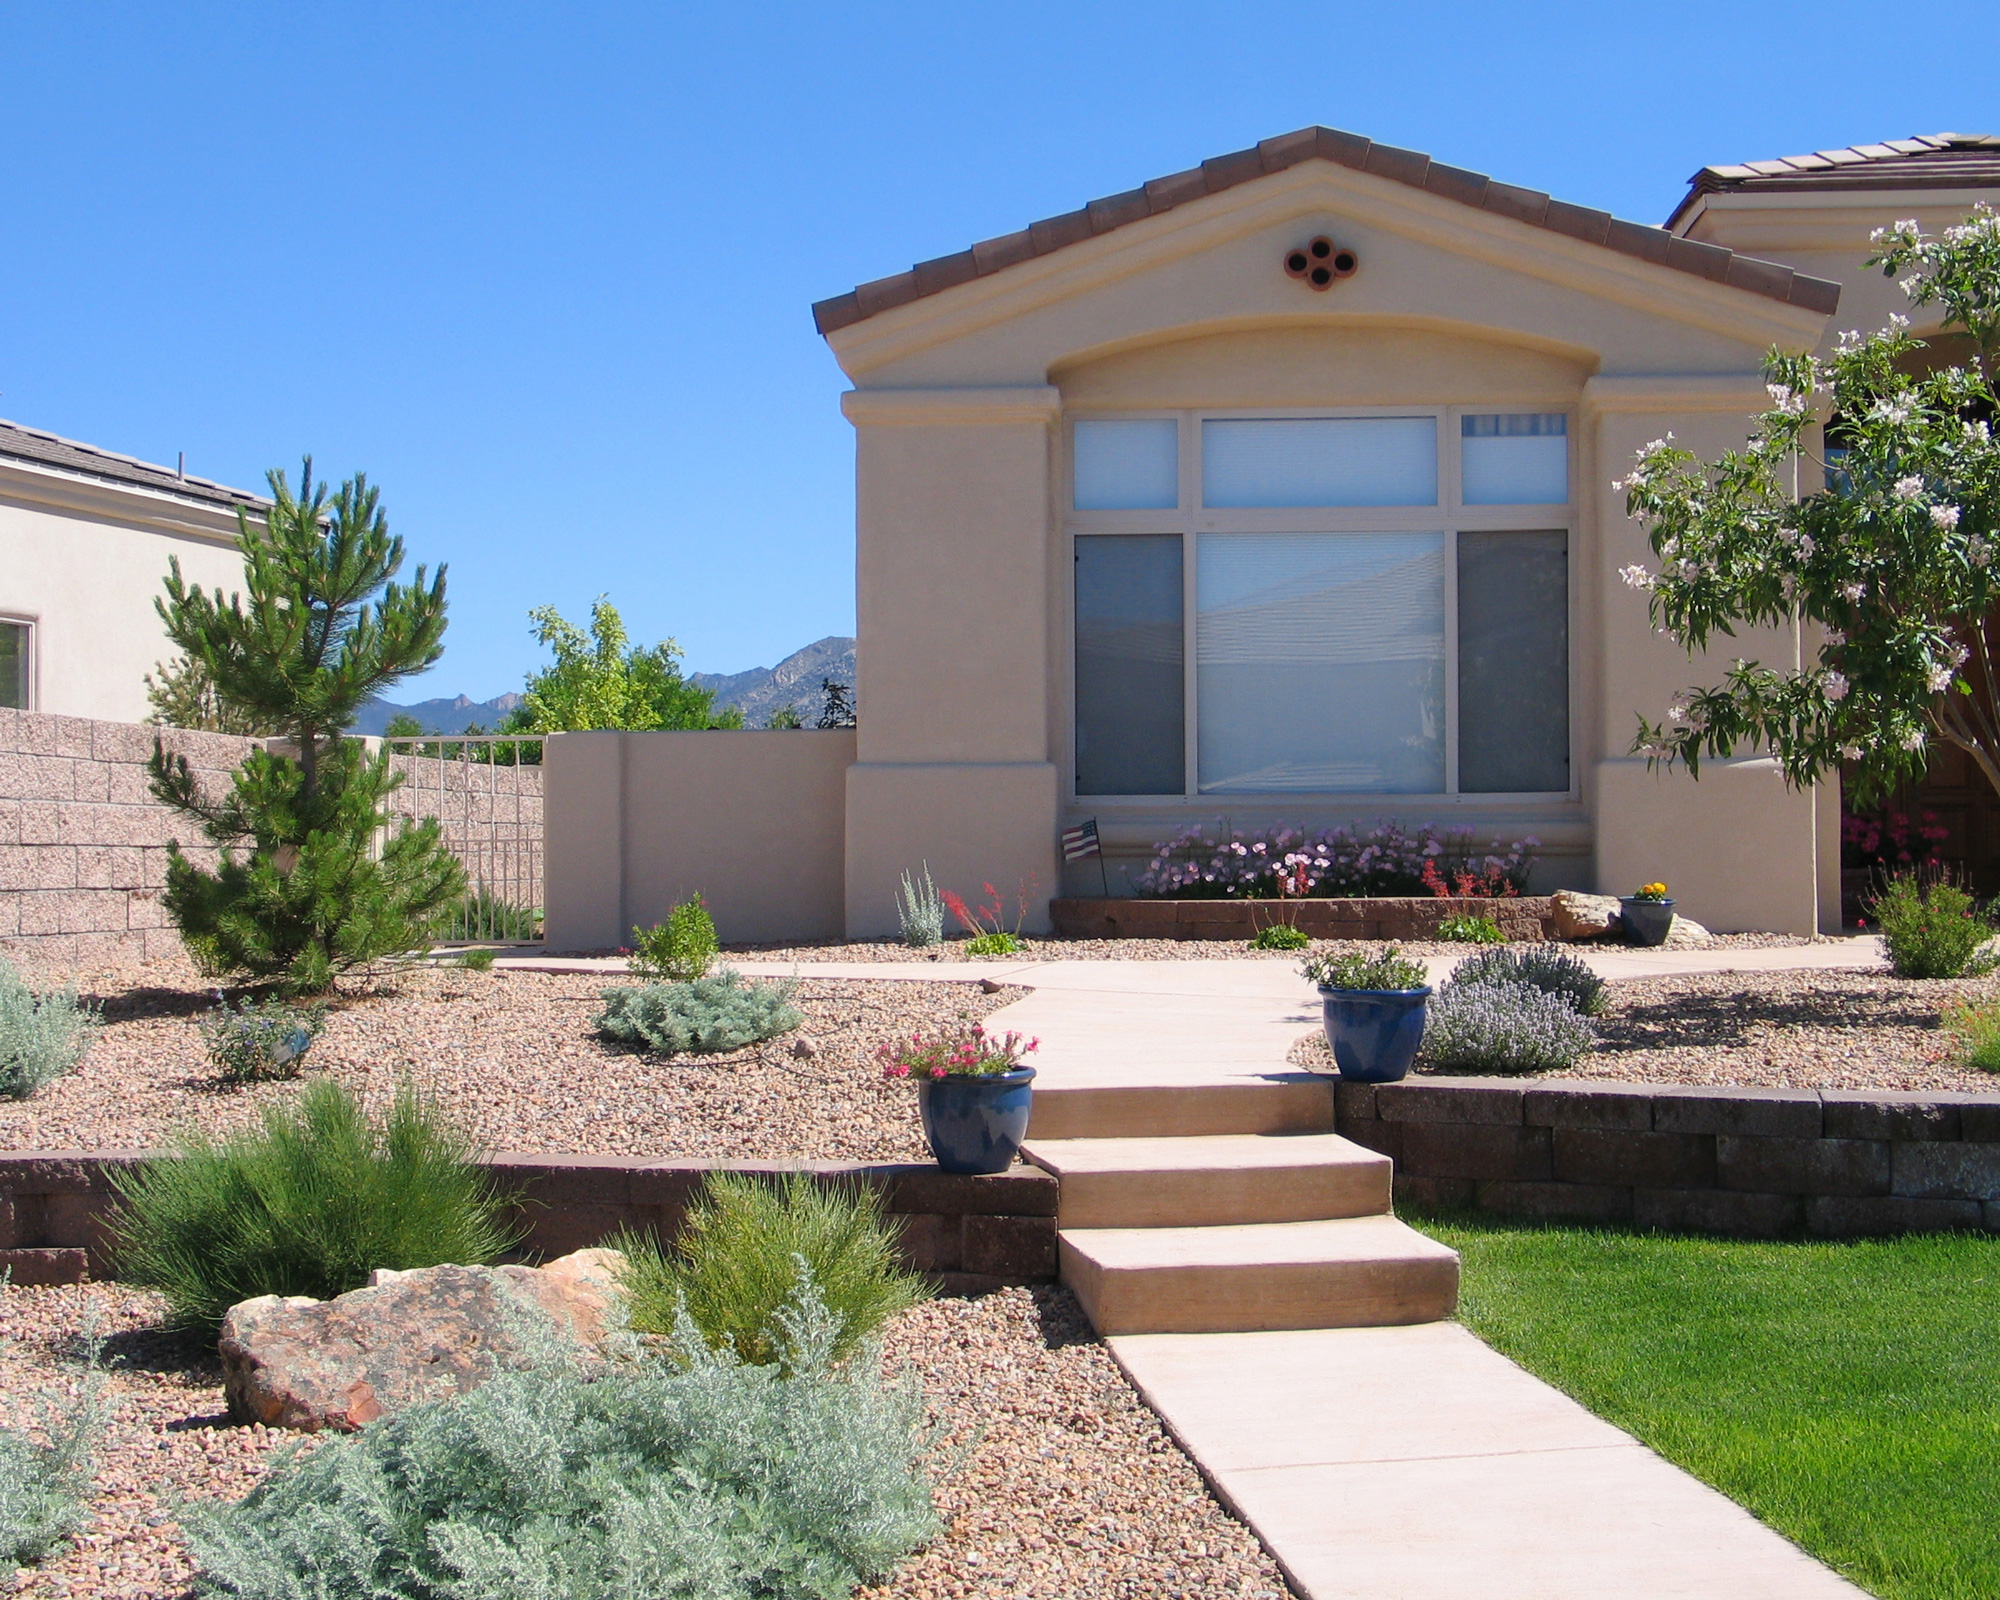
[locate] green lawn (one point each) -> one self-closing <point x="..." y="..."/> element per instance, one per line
<point x="1847" y="1394"/>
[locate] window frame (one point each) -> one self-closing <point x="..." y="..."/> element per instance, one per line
<point x="1191" y="519"/>
<point x="30" y="678"/>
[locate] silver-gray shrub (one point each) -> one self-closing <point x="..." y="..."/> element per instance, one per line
<point x="1502" y="1027"/>
<point x="45" y="1473"/>
<point x="713" y="1014"/>
<point x="920" y="911"/>
<point x="1547" y="967"/>
<point x="41" y="1037"/>
<point x="632" y="1480"/>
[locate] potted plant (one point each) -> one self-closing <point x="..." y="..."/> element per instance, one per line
<point x="1649" y="914"/>
<point x="1374" y="1011"/>
<point x="973" y="1093"/>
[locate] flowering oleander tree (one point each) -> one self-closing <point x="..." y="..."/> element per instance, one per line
<point x="1893" y="560"/>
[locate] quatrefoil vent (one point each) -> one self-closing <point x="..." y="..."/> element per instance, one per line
<point x="1319" y="262"/>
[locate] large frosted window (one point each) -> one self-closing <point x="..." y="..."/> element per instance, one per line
<point x="1127" y="466"/>
<point x="1513" y="663"/>
<point x="1320" y="663"/>
<point x="1518" y="460"/>
<point x="14" y="665"/>
<point x="1129" y="674"/>
<point x="1320" y="461"/>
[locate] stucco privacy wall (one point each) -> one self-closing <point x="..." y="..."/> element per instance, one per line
<point x="751" y="820"/>
<point x="960" y="407"/>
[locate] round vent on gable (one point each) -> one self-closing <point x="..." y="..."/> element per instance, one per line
<point x="1319" y="262"/>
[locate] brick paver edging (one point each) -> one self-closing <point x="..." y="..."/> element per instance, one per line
<point x="1527" y="917"/>
<point x="967" y="1233"/>
<point x="1762" y="1163"/>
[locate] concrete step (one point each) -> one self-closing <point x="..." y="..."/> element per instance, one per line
<point x="1299" y="1102"/>
<point x="1352" y="1272"/>
<point x="1211" y="1180"/>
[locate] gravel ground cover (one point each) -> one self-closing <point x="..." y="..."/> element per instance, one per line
<point x="1056" y="1480"/>
<point x="1774" y="1030"/>
<point x="512" y="1056"/>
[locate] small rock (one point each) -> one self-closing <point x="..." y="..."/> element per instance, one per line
<point x="297" y="1362"/>
<point x="1583" y="916"/>
<point x="1684" y="932"/>
<point x="803" y="1048"/>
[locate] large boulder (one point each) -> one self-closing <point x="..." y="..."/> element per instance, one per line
<point x="1573" y="915"/>
<point x="1684" y="933"/>
<point x="426" y="1334"/>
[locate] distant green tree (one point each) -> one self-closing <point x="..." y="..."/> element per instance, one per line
<point x="184" y="696"/>
<point x="598" y="681"/>
<point x="311" y="882"/>
<point x="404" y="726"/>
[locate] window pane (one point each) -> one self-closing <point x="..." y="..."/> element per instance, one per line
<point x="14" y="665"/>
<point x="1513" y="663"/>
<point x="1128" y="466"/>
<point x="1514" y="460"/>
<point x="1320" y="461"/>
<point x="1320" y="663"/>
<point x="1129" y="684"/>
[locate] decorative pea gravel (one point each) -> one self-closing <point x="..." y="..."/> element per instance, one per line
<point x="1056" y="1480"/>
<point x="513" y="1057"/>
<point x="1772" y="1030"/>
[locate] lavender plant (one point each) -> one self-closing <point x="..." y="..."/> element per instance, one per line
<point x="1501" y="1027"/>
<point x="1543" y="966"/>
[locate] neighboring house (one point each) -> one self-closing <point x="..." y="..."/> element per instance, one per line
<point x="1164" y="517"/>
<point x="85" y="537"/>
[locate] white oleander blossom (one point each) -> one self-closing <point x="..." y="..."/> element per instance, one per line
<point x="1978" y="551"/>
<point x="1909" y="488"/>
<point x="1835" y="638"/>
<point x="1785" y="398"/>
<point x="1834" y="684"/>
<point x="1914" y="739"/>
<point x="1896" y="411"/>
<point x="1677" y="709"/>
<point x="1944" y="518"/>
<point x="1977" y="432"/>
<point x="1911" y="284"/>
<point x="1636" y="576"/>
<point x="1853" y="591"/>
<point x="1850" y="752"/>
<point x="1940" y="678"/>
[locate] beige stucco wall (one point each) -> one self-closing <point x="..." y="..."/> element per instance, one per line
<point x="84" y="562"/>
<point x="751" y="820"/>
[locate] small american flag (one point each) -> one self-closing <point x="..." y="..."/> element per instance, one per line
<point x="1080" y="843"/>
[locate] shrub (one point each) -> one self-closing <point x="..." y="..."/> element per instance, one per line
<point x="485" y="915"/>
<point x="1496" y="1026"/>
<point x="1470" y="930"/>
<point x="737" y="1262"/>
<point x="45" y="1483"/>
<point x="679" y="950"/>
<point x="702" y="1018"/>
<point x="1280" y="936"/>
<point x="265" y="1040"/>
<point x="42" y="1037"/>
<point x="311" y="1205"/>
<point x="1933" y="930"/>
<point x="1389" y="970"/>
<point x="920" y="912"/>
<point x="636" y="1479"/>
<point x="476" y="960"/>
<point x="993" y="944"/>
<point x="1977" y="1029"/>
<point x="1542" y="966"/>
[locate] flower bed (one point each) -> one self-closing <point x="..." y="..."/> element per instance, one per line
<point x="1386" y="917"/>
<point x="1225" y="863"/>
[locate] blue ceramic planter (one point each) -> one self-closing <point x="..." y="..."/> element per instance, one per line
<point x="976" y="1125"/>
<point x="1648" y="921"/>
<point x="1374" y="1032"/>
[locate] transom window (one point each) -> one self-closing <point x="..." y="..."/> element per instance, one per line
<point x="1322" y="604"/>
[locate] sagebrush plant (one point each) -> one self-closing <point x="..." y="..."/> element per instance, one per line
<point x="966" y="1051"/>
<point x="1976" y="1028"/>
<point x="1497" y="1026"/>
<point x="257" y="1040"/>
<point x="706" y="1017"/>
<point x="1281" y="936"/>
<point x="1544" y="966"/>
<point x="46" y="1472"/>
<point x="1390" y="969"/>
<point x="1470" y="930"/>
<point x="679" y="950"/>
<point x="636" y="1478"/>
<point x="311" y="1204"/>
<point x="1933" y="929"/>
<point x="920" y="911"/>
<point x="737" y="1259"/>
<point x="41" y="1036"/>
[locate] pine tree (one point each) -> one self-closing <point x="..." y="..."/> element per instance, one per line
<point x="311" y="882"/>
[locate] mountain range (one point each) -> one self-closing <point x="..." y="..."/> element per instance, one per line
<point x="757" y="693"/>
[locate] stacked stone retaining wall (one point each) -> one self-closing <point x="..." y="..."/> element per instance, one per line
<point x="1763" y="1163"/>
<point x="967" y="1233"/>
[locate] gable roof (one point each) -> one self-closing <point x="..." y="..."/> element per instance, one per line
<point x="20" y="443"/>
<point x="1924" y="161"/>
<point x="1344" y="149"/>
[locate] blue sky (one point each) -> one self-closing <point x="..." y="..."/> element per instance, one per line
<point x="544" y="272"/>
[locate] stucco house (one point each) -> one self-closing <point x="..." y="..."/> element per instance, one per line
<point x="85" y="538"/>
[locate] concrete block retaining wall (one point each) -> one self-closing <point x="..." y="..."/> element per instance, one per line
<point x="1387" y="917"/>
<point x="968" y="1232"/>
<point x="1762" y="1163"/>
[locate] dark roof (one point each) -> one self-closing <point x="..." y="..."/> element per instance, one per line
<point x="1925" y="161"/>
<point x="1348" y="150"/>
<point x="18" y="443"/>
